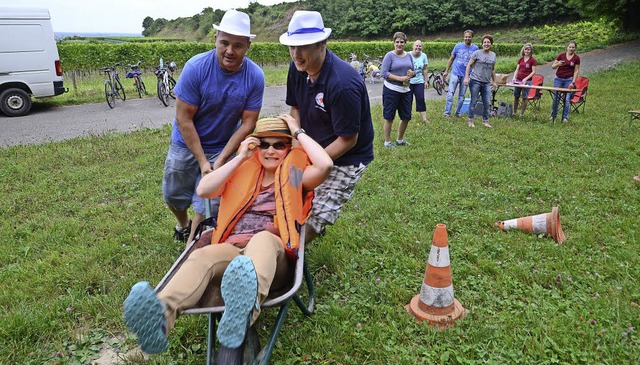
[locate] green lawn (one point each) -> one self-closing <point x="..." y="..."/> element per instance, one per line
<point x="83" y="220"/>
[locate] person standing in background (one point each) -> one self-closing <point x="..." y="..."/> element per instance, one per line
<point x="567" y="66"/>
<point x="417" y="83"/>
<point x="458" y="65"/>
<point x="481" y="78"/>
<point x="397" y="71"/>
<point x="525" y="69"/>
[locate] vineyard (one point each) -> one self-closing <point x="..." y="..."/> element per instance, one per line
<point x="88" y="56"/>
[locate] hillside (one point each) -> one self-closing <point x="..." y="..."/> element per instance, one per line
<point x="368" y="20"/>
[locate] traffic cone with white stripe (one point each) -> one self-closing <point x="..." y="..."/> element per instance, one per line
<point x="547" y="224"/>
<point x="435" y="302"/>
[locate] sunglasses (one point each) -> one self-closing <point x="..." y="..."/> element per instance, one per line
<point x="278" y="145"/>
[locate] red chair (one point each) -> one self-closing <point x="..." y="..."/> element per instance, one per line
<point x="534" y="95"/>
<point x="579" y="98"/>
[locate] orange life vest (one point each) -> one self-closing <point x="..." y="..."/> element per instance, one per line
<point x="292" y="208"/>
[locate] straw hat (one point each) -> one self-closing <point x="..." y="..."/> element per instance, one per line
<point x="271" y="127"/>
<point x="305" y="27"/>
<point x="236" y="23"/>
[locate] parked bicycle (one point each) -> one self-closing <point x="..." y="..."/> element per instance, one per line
<point x="440" y="83"/>
<point x="113" y="87"/>
<point x="136" y="75"/>
<point x="166" y="82"/>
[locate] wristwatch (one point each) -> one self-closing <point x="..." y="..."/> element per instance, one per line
<point x="296" y="133"/>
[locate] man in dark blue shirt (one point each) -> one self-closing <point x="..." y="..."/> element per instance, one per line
<point x="330" y="100"/>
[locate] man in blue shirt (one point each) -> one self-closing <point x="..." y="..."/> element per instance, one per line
<point x="330" y="100"/>
<point x="219" y="96"/>
<point x="459" y="60"/>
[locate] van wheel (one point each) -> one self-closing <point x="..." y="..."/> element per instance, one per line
<point x="15" y="102"/>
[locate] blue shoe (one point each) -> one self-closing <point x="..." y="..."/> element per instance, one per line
<point x="144" y="315"/>
<point x="239" y="290"/>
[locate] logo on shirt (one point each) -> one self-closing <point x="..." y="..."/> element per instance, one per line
<point x="320" y="100"/>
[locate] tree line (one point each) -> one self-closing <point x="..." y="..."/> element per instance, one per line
<point x="373" y="19"/>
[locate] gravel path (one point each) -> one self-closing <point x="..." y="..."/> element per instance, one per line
<point x="598" y="60"/>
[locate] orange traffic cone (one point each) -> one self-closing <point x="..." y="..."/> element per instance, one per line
<point x="547" y="224"/>
<point x="435" y="302"/>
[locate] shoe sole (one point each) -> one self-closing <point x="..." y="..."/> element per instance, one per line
<point x="144" y="315"/>
<point x="239" y="289"/>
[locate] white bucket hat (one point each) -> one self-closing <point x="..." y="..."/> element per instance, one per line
<point x="305" y="27"/>
<point x="236" y="23"/>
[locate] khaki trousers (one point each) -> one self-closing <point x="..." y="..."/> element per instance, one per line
<point x="207" y="264"/>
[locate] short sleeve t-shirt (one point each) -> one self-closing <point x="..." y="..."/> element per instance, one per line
<point x="566" y="71"/>
<point x="463" y="55"/>
<point x="336" y="104"/>
<point x="221" y="98"/>
<point x="418" y="65"/>
<point x="392" y="64"/>
<point x="483" y="66"/>
<point x="525" y="67"/>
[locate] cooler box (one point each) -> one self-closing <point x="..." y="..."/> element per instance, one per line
<point x="465" y="106"/>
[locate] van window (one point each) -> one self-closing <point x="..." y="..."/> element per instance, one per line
<point x="23" y="38"/>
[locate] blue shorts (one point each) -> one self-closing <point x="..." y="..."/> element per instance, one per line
<point x="181" y="177"/>
<point x="520" y="91"/>
<point x="418" y="91"/>
<point x="393" y="100"/>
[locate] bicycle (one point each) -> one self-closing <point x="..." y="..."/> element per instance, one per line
<point x="113" y="87"/>
<point x="135" y="74"/>
<point x="440" y="83"/>
<point x="166" y="82"/>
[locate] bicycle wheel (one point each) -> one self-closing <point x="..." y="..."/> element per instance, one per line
<point x="445" y="85"/>
<point x="172" y="84"/>
<point x="142" y="87"/>
<point x="120" y="90"/>
<point x="139" y="86"/>
<point x="163" y="93"/>
<point x="437" y="84"/>
<point x="109" y="95"/>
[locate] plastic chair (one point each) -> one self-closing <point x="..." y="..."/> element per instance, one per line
<point x="212" y="304"/>
<point x="535" y="95"/>
<point x="579" y="98"/>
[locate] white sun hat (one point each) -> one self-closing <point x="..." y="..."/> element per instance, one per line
<point x="305" y="27"/>
<point x="236" y="23"/>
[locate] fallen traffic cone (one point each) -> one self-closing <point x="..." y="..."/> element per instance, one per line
<point x="435" y="302"/>
<point x="547" y="224"/>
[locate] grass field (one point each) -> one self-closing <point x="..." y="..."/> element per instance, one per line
<point x="83" y="220"/>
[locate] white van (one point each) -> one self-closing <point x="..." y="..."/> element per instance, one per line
<point x="29" y="60"/>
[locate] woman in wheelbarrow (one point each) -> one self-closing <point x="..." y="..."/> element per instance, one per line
<point x="249" y="248"/>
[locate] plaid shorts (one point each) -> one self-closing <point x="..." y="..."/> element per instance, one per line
<point x="332" y="194"/>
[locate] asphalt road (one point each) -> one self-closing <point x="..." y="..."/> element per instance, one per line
<point x="44" y="124"/>
<point x="61" y="123"/>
